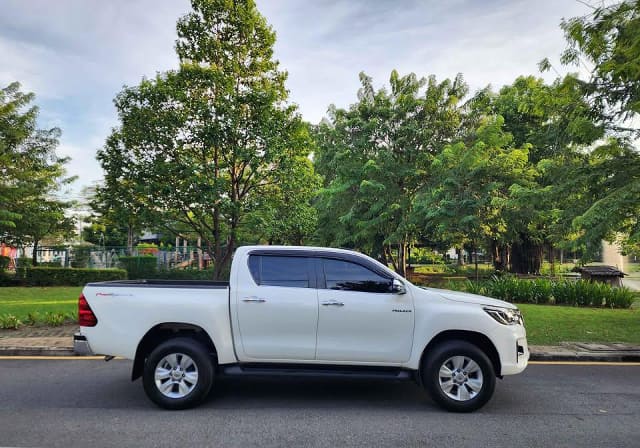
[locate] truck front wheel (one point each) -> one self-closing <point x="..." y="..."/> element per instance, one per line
<point x="458" y="376"/>
<point x="178" y="374"/>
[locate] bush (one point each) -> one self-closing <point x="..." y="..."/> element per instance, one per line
<point x="80" y="256"/>
<point x="544" y="291"/>
<point x="8" y="279"/>
<point x="4" y="262"/>
<point x="9" y="322"/>
<point x="54" y="319"/>
<point x="421" y="255"/>
<point x="44" y="276"/>
<point x="140" y="267"/>
<point x="50" y="264"/>
<point x="185" y="274"/>
<point x="22" y="264"/>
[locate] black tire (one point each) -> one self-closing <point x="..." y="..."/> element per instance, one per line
<point x="468" y="398"/>
<point x="201" y="364"/>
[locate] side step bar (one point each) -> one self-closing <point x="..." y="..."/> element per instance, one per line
<point x="316" y="371"/>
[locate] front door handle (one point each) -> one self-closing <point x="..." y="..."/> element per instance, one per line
<point x="253" y="299"/>
<point x="332" y="303"/>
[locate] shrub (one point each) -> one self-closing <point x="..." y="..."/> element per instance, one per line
<point x="562" y="292"/>
<point x="33" y="318"/>
<point x="54" y="319"/>
<point x="185" y="274"/>
<point x="420" y="255"/>
<point x="80" y="256"/>
<point x="140" y="267"/>
<point x="9" y="322"/>
<point x="50" y="264"/>
<point x="4" y="262"/>
<point x="45" y="276"/>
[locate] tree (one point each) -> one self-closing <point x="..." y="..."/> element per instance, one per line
<point x="608" y="40"/>
<point x="556" y="123"/>
<point x="200" y="146"/>
<point x="375" y="158"/>
<point x="30" y="173"/>
<point x="473" y="184"/>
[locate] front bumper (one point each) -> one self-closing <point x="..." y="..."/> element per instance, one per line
<point x="81" y="345"/>
<point x="511" y="342"/>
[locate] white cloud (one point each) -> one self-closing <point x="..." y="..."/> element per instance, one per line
<point x="76" y="55"/>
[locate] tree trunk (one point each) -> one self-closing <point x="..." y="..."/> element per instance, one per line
<point x="500" y="253"/>
<point x="129" y="239"/>
<point x="526" y="256"/>
<point x="402" y="259"/>
<point x="34" y="256"/>
<point x="475" y="250"/>
<point x="460" y="252"/>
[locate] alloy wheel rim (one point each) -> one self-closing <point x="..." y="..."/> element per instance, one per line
<point x="460" y="378"/>
<point x="176" y="375"/>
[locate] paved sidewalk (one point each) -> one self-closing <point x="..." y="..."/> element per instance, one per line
<point x="58" y="341"/>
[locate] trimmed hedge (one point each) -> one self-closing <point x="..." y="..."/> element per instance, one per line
<point x="551" y="292"/>
<point x="140" y="267"/>
<point x="4" y="262"/>
<point x="47" y="276"/>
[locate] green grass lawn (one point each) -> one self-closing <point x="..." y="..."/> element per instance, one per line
<point x="550" y="325"/>
<point x="21" y="301"/>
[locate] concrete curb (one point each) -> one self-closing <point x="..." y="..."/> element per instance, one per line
<point x="586" y="356"/>
<point x="37" y="351"/>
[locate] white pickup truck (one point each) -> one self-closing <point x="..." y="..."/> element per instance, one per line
<point x="303" y="311"/>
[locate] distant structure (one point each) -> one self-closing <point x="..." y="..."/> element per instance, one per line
<point x="602" y="274"/>
<point x="612" y="255"/>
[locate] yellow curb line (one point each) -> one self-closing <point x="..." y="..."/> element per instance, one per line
<point x="585" y="363"/>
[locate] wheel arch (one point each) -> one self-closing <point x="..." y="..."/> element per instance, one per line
<point x="163" y="332"/>
<point x="473" y="337"/>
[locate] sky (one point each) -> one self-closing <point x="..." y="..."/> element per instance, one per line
<point x="76" y="55"/>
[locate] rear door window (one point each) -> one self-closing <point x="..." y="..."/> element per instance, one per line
<point x="273" y="270"/>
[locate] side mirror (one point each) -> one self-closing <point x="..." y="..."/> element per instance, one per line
<point x="397" y="287"/>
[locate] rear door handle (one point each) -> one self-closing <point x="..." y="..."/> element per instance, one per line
<point x="332" y="303"/>
<point x="253" y="299"/>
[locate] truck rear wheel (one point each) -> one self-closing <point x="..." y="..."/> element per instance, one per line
<point x="458" y="376"/>
<point x="178" y="374"/>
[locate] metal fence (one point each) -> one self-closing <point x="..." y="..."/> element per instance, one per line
<point x="183" y="257"/>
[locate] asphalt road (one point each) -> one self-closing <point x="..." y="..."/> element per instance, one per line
<point x="93" y="404"/>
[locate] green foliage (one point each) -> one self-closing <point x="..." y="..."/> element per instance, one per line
<point x="545" y="291"/>
<point x="608" y="39"/>
<point x="422" y="255"/>
<point x="46" y="276"/>
<point x="54" y="319"/>
<point x="31" y="173"/>
<point x="140" y="267"/>
<point x="9" y="322"/>
<point x="185" y="274"/>
<point x="4" y="262"/>
<point x="375" y="158"/>
<point x="80" y="256"/>
<point x="202" y="148"/>
<point x="33" y="318"/>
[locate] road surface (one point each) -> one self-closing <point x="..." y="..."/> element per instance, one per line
<point x="70" y="403"/>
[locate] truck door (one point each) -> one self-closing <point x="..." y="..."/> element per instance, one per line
<point x="278" y="311"/>
<point x="360" y="318"/>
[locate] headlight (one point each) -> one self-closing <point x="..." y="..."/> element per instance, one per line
<point x="505" y="316"/>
